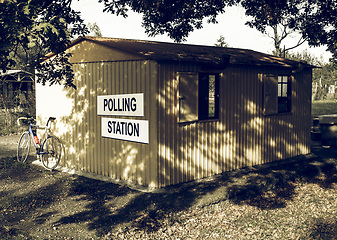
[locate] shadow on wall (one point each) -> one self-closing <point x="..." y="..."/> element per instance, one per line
<point x="80" y="129"/>
<point x="242" y="136"/>
<point x="177" y="153"/>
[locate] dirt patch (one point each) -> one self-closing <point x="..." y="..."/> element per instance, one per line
<point x="285" y="200"/>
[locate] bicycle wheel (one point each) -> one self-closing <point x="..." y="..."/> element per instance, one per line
<point x="51" y="152"/>
<point x="23" y="147"/>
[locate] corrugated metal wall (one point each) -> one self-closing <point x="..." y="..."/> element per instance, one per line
<point x="242" y="137"/>
<point x="80" y="127"/>
<point x="177" y="153"/>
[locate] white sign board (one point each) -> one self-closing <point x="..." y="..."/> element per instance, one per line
<point x="126" y="129"/>
<point x="121" y="105"/>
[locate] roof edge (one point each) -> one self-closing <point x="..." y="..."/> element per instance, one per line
<point x="288" y="63"/>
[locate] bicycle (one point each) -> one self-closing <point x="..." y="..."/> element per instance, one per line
<point x="49" y="152"/>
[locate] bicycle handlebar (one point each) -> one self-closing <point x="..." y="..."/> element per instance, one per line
<point x="51" y="119"/>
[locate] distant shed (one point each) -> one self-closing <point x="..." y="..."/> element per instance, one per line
<point x="158" y="114"/>
<point x="14" y="82"/>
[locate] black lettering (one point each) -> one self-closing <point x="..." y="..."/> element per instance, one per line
<point x="122" y="104"/>
<point x="133" y="104"/>
<point x="127" y="104"/>
<point x="119" y="107"/>
<point x="130" y="129"/>
<point x="109" y="127"/>
<point x="105" y="103"/>
<point x="136" y="129"/>
<point x="114" y="104"/>
<point x="118" y="128"/>
<point x="122" y="128"/>
<point x="110" y="106"/>
<point x="114" y="126"/>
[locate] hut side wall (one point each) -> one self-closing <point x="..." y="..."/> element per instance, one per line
<point x="243" y="135"/>
<point x="79" y="127"/>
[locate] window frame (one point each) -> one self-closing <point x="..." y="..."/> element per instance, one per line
<point x="191" y="108"/>
<point x="284" y="100"/>
<point x="204" y="96"/>
<point x="187" y="103"/>
<point x="272" y="101"/>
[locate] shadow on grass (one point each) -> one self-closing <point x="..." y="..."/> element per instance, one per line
<point x="272" y="186"/>
<point x="12" y="169"/>
<point x="23" y="194"/>
<point x="266" y="187"/>
<point x="111" y="204"/>
<point x="324" y="229"/>
<point x="102" y="197"/>
<point x="106" y="205"/>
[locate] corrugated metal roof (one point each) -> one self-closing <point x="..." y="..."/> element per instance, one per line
<point x="187" y="52"/>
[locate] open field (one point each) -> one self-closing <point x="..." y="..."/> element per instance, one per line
<point x="323" y="107"/>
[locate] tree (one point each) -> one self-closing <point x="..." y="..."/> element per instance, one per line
<point x="174" y="17"/>
<point x="45" y="23"/>
<point x="275" y="19"/>
<point x="315" y="20"/>
<point x="38" y="24"/>
<point x="26" y="58"/>
<point x="221" y="42"/>
<point x="278" y="34"/>
<point x="306" y="57"/>
<point x="323" y="76"/>
<point x="94" y="30"/>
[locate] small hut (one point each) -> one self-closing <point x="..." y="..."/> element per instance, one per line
<point x="158" y="114"/>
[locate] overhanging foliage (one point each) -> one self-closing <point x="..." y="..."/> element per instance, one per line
<point x="50" y="25"/>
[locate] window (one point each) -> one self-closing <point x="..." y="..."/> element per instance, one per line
<point x="284" y="94"/>
<point x="208" y="96"/>
<point x="277" y="94"/>
<point x="198" y="96"/>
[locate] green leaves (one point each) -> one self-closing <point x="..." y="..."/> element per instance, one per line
<point x="176" y="18"/>
<point x="57" y="70"/>
<point x="315" y="20"/>
<point x="47" y="25"/>
<point x="51" y="24"/>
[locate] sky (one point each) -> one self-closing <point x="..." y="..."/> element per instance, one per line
<point x="231" y="25"/>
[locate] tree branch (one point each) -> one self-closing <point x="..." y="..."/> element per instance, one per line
<point x="299" y="43"/>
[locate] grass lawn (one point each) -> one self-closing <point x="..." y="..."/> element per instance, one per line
<point x="323" y="107"/>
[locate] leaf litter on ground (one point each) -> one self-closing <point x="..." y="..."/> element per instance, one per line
<point x="289" y="199"/>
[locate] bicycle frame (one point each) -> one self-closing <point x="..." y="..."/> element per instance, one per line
<point x="45" y="134"/>
<point x="48" y="149"/>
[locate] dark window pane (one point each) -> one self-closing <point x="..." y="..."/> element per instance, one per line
<point x="208" y="96"/>
<point x="284" y="94"/>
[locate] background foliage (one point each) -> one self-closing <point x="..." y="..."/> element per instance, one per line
<point x="30" y="29"/>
